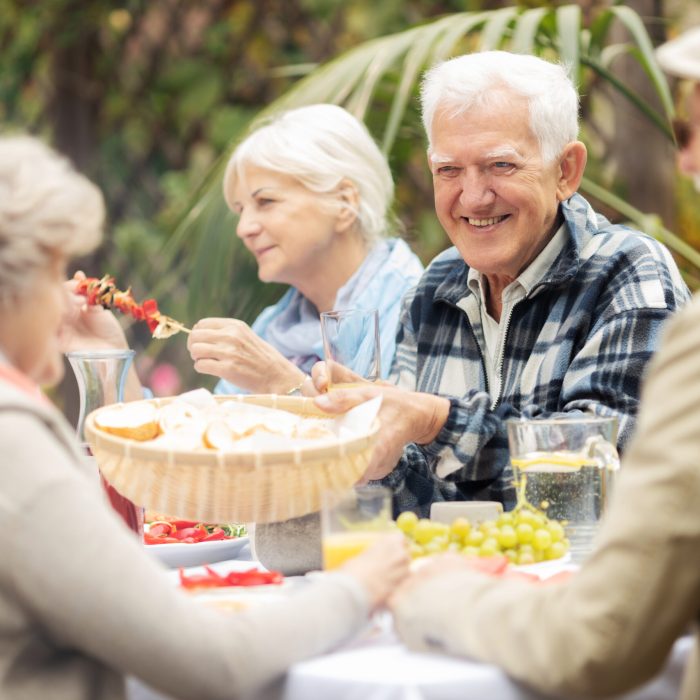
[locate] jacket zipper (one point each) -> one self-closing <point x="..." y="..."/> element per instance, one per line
<point x="497" y="400"/>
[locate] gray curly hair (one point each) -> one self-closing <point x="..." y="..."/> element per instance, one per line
<point x="46" y="207"/>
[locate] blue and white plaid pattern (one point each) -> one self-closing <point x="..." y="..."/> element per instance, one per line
<point x="579" y="342"/>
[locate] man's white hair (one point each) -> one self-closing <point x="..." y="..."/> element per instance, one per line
<point x="320" y="146"/>
<point x="46" y="208"/>
<point x="485" y="81"/>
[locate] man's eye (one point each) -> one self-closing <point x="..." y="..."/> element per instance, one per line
<point x="264" y="201"/>
<point x="502" y="165"/>
<point x="447" y="170"/>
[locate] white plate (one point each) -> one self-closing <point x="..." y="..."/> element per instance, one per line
<point x="186" y="554"/>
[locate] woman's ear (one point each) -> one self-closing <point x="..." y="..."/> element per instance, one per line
<point x="572" y="163"/>
<point x="349" y="206"/>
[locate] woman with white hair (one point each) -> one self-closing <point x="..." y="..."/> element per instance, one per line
<point x="81" y="603"/>
<point x="313" y="194"/>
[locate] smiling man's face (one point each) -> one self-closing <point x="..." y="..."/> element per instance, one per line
<point x="494" y="196"/>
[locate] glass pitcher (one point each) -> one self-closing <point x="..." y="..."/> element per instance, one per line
<point x="101" y="375"/>
<point x="566" y="467"/>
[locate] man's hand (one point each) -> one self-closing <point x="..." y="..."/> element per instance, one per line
<point x="405" y="416"/>
<point x="230" y="349"/>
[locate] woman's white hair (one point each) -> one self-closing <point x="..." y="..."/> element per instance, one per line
<point x="46" y="208"/>
<point x="320" y="146"/>
<point x="484" y="81"/>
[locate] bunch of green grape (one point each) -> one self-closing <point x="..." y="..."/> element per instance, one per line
<point x="525" y="536"/>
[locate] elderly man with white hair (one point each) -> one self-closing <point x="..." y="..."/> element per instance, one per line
<point x="611" y="626"/>
<point x="542" y="308"/>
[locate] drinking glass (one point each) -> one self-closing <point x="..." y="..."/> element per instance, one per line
<point x="352" y="521"/>
<point x="566" y="468"/>
<point x="351" y="340"/>
<point x="101" y="375"/>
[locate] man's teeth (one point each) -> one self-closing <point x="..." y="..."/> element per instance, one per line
<point x="485" y="222"/>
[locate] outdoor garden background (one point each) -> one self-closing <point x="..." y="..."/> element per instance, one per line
<point x="148" y="97"/>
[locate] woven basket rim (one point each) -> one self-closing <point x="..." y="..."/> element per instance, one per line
<point x="146" y="451"/>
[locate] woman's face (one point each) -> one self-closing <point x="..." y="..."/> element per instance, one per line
<point x="286" y="226"/>
<point x="29" y="327"/>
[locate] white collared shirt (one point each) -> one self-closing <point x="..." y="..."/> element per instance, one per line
<point x="494" y="331"/>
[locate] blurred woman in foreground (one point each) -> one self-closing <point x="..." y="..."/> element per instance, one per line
<point x="81" y="603"/>
<point x="313" y="194"/>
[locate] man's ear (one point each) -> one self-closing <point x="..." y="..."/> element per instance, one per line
<point x="572" y="163"/>
<point x="349" y="206"/>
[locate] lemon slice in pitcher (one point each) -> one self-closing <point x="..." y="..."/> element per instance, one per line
<point x="552" y="462"/>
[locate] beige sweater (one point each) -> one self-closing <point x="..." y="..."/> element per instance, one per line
<point x="82" y="604"/>
<point x="610" y="627"/>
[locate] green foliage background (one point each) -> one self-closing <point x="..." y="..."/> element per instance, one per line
<point x="148" y="96"/>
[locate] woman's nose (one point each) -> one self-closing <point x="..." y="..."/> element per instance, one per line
<point x="247" y="225"/>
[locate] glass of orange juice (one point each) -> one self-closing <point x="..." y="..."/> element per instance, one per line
<point x="352" y="521"/>
<point x="351" y="342"/>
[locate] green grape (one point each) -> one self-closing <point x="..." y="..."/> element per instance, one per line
<point x="507" y="537"/>
<point x="505" y="519"/>
<point x="460" y="528"/>
<point x="556" y="551"/>
<point x="475" y="538"/>
<point x="525" y="558"/>
<point x="407" y="522"/>
<point x="489" y="547"/>
<point x="555" y="530"/>
<point x="512" y="555"/>
<point x="424" y="531"/>
<point x="436" y="545"/>
<point x="541" y="540"/>
<point x="526" y="517"/>
<point x="441" y="529"/>
<point x="487" y="526"/>
<point x="470" y="551"/>
<point x="524" y="532"/>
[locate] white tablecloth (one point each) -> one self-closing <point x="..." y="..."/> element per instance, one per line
<point x="377" y="667"/>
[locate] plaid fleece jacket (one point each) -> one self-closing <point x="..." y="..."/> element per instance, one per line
<point x="578" y="342"/>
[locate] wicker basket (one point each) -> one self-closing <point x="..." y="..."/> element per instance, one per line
<point x="211" y="486"/>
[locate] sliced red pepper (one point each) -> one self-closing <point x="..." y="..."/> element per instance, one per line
<point x="149" y="539"/>
<point x="195" y="534"/>
<point x="253" y="577"/>
<point x="180" y="524"/>
<point x="216" y="534"/>
<point x="197" y="580"/>
<point x="158" y="529"/>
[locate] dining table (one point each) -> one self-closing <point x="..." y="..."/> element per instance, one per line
<point x="376" y="666"/>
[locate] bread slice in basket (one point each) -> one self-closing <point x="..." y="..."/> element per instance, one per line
<point x="137" y="421"/>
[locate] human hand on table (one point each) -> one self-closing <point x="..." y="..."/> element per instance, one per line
<point x="381" y="567"/>
<point x="230" y="349"/>
<point x="405" y="416"/>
